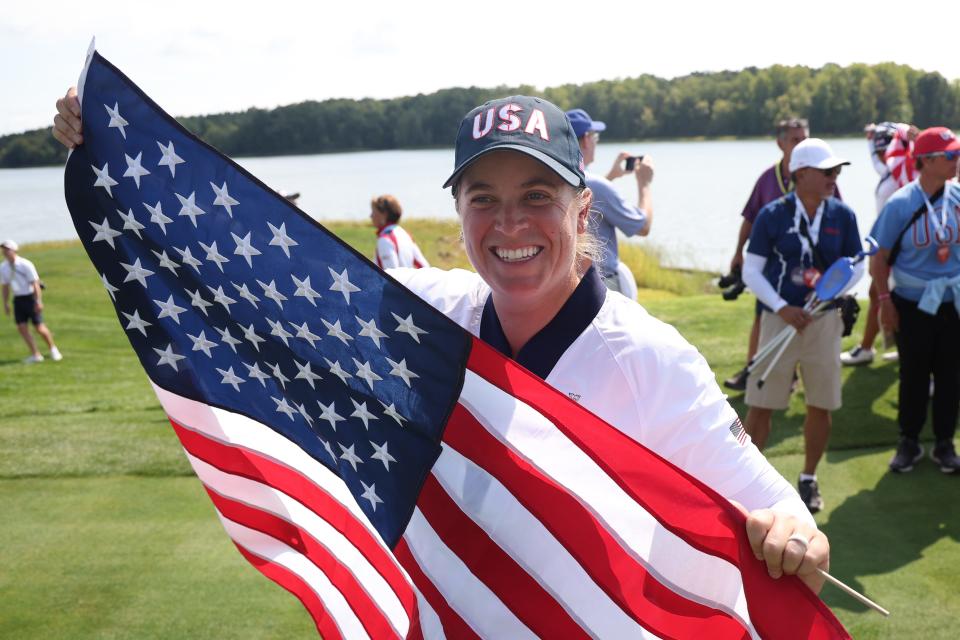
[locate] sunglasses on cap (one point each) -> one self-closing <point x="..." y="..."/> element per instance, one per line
<point x="835" y="171"/>
<point x="949" y="155"/>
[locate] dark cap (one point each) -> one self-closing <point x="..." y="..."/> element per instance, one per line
<point x="520" y="123"/>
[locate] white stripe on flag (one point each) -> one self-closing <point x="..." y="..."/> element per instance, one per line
<point x="266" y="498"/>
<point x="674" y="563"/>
<point x="429" y="620"/>
<point x="524" y="538"/>
<point x="274" y="551"/>
<point x="480" y="608"/>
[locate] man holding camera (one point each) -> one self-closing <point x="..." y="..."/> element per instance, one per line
<point x="793" y="241"/>
<point x="610" y="210"/>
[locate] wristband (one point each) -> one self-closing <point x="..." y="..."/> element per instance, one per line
<point x="883" y="296"/>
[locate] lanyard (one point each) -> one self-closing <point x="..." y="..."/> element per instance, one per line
<point x="940" y="225"/>
<point x="784" y="190"/>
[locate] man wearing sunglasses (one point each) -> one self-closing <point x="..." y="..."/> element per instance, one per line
<point x="920" y="240"/>
<point x="795" y="239"/>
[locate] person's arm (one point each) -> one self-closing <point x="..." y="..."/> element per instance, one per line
<point x="38" y="301"/>
<point x="616" y="211"/>
<point x="745" y="227"/>
<point x="644" y="175"/>
<point x="6" y="298"/>
<point x="880" y="272"/>
<point x="387" y="254"/>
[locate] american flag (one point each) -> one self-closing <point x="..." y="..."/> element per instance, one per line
<point x="398" y="476"/>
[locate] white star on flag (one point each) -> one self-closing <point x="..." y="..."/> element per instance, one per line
<point x="255" y="372"/>
<point x="350" y="456"/>
<point x="112" y="290"/>
<point x="136" y="322"/>
<point x="213" y="255"/>
<point x="391" y="411"/>
<point x="105" y="233"/>
<point x="196" y="300"/>
<point x="304" y="289"/>
<point x="245" y="294"/>
<point x="134" y="169"/>
<point x="360" y="411"/>
<point x="223" y="198"/>
<point x="282" y="379"/>
<point x="281" y="239"/>
<point x="284" y="407"/>
<point x="229" y="377"/>
<point x="170" y="158"/>
<point x="157" y="216"/>
<point x="200" y="343"/>
<point x="400" y="370"/>
<point x="250" y="335"/>
<point x="405" y="325"/>
<point x="337" y="370"/>
<point x="103" y="178"/>
<point x="116" y="120"/>
<point x="136" y="272"/>
<point x="244" y="248"/>
<point x="370" y="330"/>
<point x="165" y="261"/>
<point x="189" y="208"/>
<point x="382" y="454"/>
<point x="303" y="331"/>
<point x="167" y="356"/>
<point x="270" y="291"/>
<point x="130" y="222"/>
<point x="341" y="283"/>
<point x="302" y="410"/>
<point x="227" y="338"/>
<point x="364" y="372"/>
<point x="276" y="329"/>
<point x="305" y="373"/>
<point x="187" y="258"/>
<point x="329" y="413"/>
<point x="169" y="309"/>
<point x="220" y="297"/>
<point x="335" y="331"/>
<point x="370" y="494"/>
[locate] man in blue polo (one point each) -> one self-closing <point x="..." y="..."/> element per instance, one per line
<point x="795" y="238"/>
<point x="611" y="211"/>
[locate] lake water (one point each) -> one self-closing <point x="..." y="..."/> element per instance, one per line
<point x="699" y="189"/>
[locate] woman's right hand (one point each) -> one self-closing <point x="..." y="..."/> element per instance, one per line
<point x="67" y="128"/>
<point x="889" y="318"/>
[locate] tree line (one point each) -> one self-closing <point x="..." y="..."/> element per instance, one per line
<point x="837" y="100"/>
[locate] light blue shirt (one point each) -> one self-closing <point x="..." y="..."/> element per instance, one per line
<point x="610" y="212"/>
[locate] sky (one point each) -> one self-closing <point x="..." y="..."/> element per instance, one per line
<point x="206" y="56"/>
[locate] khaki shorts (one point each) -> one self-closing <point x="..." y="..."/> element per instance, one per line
<point x="816" y="351"/>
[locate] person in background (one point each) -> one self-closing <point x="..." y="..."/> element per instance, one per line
<point x="919" y="238"/>
<point x="395" y="247"/>
<point x="610" y="210"/>
<point x="19" y="275"/>
<point x="773" y="183"/>
<point x="897" y="139"/>
<point x="793" y="240"/>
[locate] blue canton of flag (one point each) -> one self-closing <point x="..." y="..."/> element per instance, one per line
<point x="232" y="296"/>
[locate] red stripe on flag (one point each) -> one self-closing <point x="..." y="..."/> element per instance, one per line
<point x="680" y="502"/>
<point x="515" y="588"/>
<point x="453" y="625"/>
<point x="249" y="464"/>
<point x="362" y="604"/>
<point x="654" y="606"/>
<point x="292" y="583"/>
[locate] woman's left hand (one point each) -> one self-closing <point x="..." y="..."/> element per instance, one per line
<point x="779" y="540"/>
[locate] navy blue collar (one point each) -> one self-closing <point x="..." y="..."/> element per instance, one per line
<point x="543" y="350"/>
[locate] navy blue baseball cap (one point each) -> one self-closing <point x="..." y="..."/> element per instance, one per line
<point x="582" y="122"/>
<point x="532" y="126"/>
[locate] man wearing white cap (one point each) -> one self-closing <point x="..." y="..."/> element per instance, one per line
<point x="19" y="275"/>
<point x="794" y="239"/>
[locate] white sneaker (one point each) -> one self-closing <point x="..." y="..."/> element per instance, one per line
<point x="55" y="355"/>
<point x="33" y="359"/>
<point x="891" y="356"/>
<point x="857" y="355"/>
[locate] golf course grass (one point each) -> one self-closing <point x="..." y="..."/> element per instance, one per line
<point x="105" y="533"/>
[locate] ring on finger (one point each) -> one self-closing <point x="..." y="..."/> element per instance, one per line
<point x="800" y="539"/>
